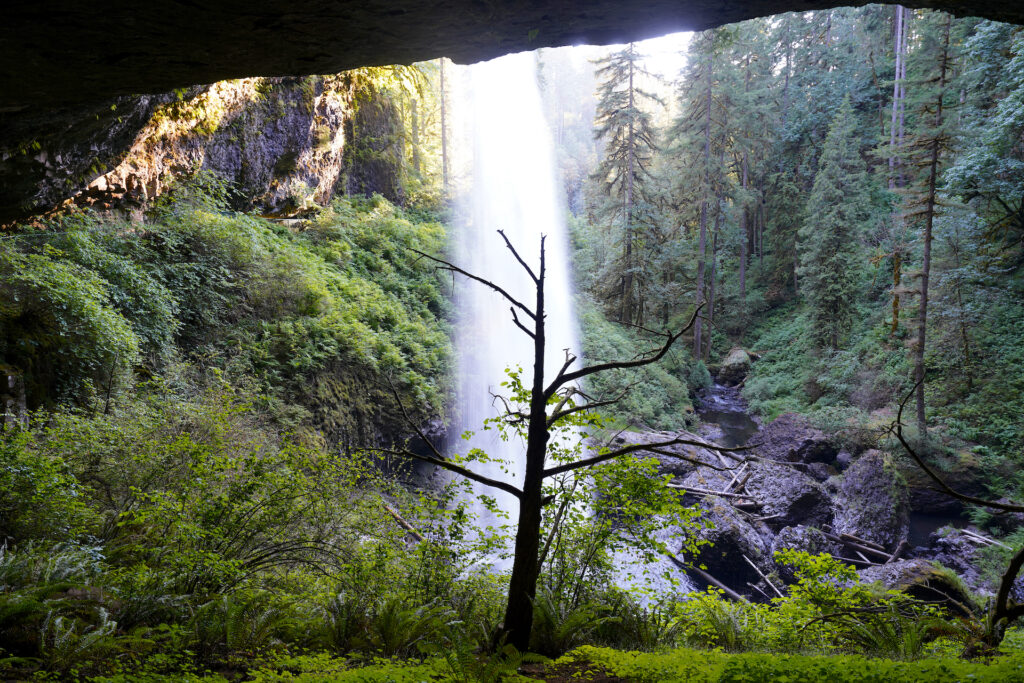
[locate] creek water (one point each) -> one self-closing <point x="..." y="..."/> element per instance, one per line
<point x="726" y="408"/>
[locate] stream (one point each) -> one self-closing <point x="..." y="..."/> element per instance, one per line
<point x="725" y="409"/>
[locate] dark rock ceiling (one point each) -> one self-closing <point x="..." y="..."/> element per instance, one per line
<point x="78" y="80"/>
<point x="68" y="51"/>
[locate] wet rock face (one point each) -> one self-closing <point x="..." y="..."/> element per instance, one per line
<point x="872" y="501"/>
<point x="789" y="496"/>
<point x="55" y="152"/>
<point x="286" y="145"/>
<point x="280" y="142"/>
<point x="791" y="438"/>
<point x="732" y="536"/>
<point x="734" y="368"/>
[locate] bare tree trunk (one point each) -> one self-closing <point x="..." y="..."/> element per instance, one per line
<point x="896" y="93"/>
<point x="702" y="239"/>
<point x="522" y="586"/>
<point x="929" y="218"/>
<point x="747" y="236"/>
<point x="415" y="122"/>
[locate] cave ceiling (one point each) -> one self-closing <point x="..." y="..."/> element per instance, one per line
<point x="67" y="52"/>
<point x="78" y="80"/>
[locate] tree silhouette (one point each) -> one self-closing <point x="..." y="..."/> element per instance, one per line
<point x="551" y="404"/>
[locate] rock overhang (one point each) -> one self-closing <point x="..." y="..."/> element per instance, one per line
<point x="63" y="52"/>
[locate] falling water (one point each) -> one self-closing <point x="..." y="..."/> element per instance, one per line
<point x="511" y="187"/>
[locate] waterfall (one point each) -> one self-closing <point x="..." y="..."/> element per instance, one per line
<point x="512" y="186"/>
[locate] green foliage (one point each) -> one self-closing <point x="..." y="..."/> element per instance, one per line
<point x="312" y="319"/>
<point x="40" y="498"/>
<point x="659" y="394"/>
<point x="836" y="210"/>
<point x="559" y="626"/>
<point x="713" y="667"/>
<point x="58" y="329"/>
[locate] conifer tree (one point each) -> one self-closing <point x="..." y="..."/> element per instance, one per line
<point x="630" y="139"/>
<point x="836" y="210"/>
<point x="931" y="72"/>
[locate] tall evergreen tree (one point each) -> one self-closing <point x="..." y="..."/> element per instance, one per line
<point x="630" y="143"/>
<point x="930" y="71"/>
<point x="829" y="236"/>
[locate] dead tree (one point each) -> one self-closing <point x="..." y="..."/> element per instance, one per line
<point x="550" y="405"/>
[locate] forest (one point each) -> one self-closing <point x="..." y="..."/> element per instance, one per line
<point x="789" y="444"/>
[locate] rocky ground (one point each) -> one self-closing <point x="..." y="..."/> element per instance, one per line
<point x="797" y="488"/>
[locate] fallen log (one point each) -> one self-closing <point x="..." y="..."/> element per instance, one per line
<point x="706" y="492"/>
<point x="857" y="547"/>
<point x="861" y="541"/>
<point x="402" y="523"/>
<point x="900" y="549"/>
<point x="763" y="577"/>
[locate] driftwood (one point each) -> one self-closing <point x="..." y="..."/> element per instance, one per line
<point x="900" y="549"/>
<point x="763" y="577"/>
<point x="852" y="560"/>
<point x="984" y="539"/>
<point x="754" y="587"/>
<point x="861" y="541"/>
<point x="857" y="547"/>
<point x="736" y="476"/>
<point x="706" y="492"/>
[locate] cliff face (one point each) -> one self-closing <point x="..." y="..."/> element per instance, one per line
<point x="280" y="141"/>
<point x="286" y="144"/>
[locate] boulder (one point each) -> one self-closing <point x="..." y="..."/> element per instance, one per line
<point x="952" y="548"/>
<point x="734" y="368"/>
<point x="925" y="581"/>
<point x="965" y="474"/>
<point x="872" y="501"/>
<point x="791" y="494"/>
<point x="731" y="536"/>
<point x="791" y="438"/>
<point x="800" y="537"/>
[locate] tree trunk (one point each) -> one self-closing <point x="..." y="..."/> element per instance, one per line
<point x="746" y="237"/>
<point x="929" y="218"/>
<point x="702" y="239"/>
<point x="522" y="586"/>
<point x="626" y="302"/>
<point x="896" y="93"/>
<point x="414" y="115"/>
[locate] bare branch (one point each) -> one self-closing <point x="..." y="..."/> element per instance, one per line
<point x="562" y="414"/>
<point x="438" y="458"/>
<point x="564" y="378"/>
<point x="946" y="488"/>
<point x="457" y="469"/>
<point x="610" y="455"/>
<point x="518" y="258"/>
<point x="455" y="269"/>
<point x="515" y="319"/>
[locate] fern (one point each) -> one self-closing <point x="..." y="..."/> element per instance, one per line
<point x="559" y="627"/>
<point x="63" y="642"/>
